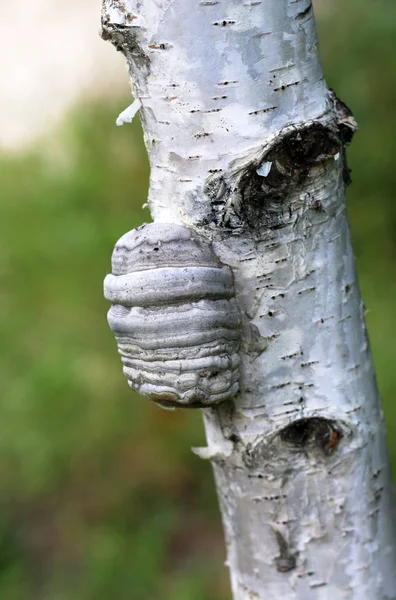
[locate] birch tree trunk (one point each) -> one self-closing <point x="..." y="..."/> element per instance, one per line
<point x="246" y="146"/>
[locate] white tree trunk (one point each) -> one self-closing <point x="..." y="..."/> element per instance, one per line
<point x="246" y="146"/>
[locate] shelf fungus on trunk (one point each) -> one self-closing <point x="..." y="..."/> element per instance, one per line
<point x="174" y="316"/>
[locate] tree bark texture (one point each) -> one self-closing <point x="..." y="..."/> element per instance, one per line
<point x="247" y="147"/>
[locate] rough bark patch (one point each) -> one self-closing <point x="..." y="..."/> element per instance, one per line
<point x="315" y="432"/>
<point x="124" y="39"/>
<point x="258" y="195"/>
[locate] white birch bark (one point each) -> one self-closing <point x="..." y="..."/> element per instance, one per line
<point x="246" y="146"/>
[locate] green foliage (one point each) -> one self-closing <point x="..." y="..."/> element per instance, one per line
<point x="359" y="60"/>
<point x="95" y="485"/>
<point x="100" y="496"/>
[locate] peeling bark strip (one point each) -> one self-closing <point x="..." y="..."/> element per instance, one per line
<point x="247" y="147"/>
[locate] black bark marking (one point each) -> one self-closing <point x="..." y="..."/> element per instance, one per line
<point x="286" y="561"/>
<point x="309" y="363"/>
<point x="223" y="23"/>
<point x="288" y="356"/>
<point x="283" y="87"/>
<point x="263" y="110"/>
<point x="311" y="289"/>
<point x="315" y="432"/>
<point x="279" y="386"/>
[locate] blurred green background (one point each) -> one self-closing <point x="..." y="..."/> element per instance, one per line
<point x="100" y="496"/>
